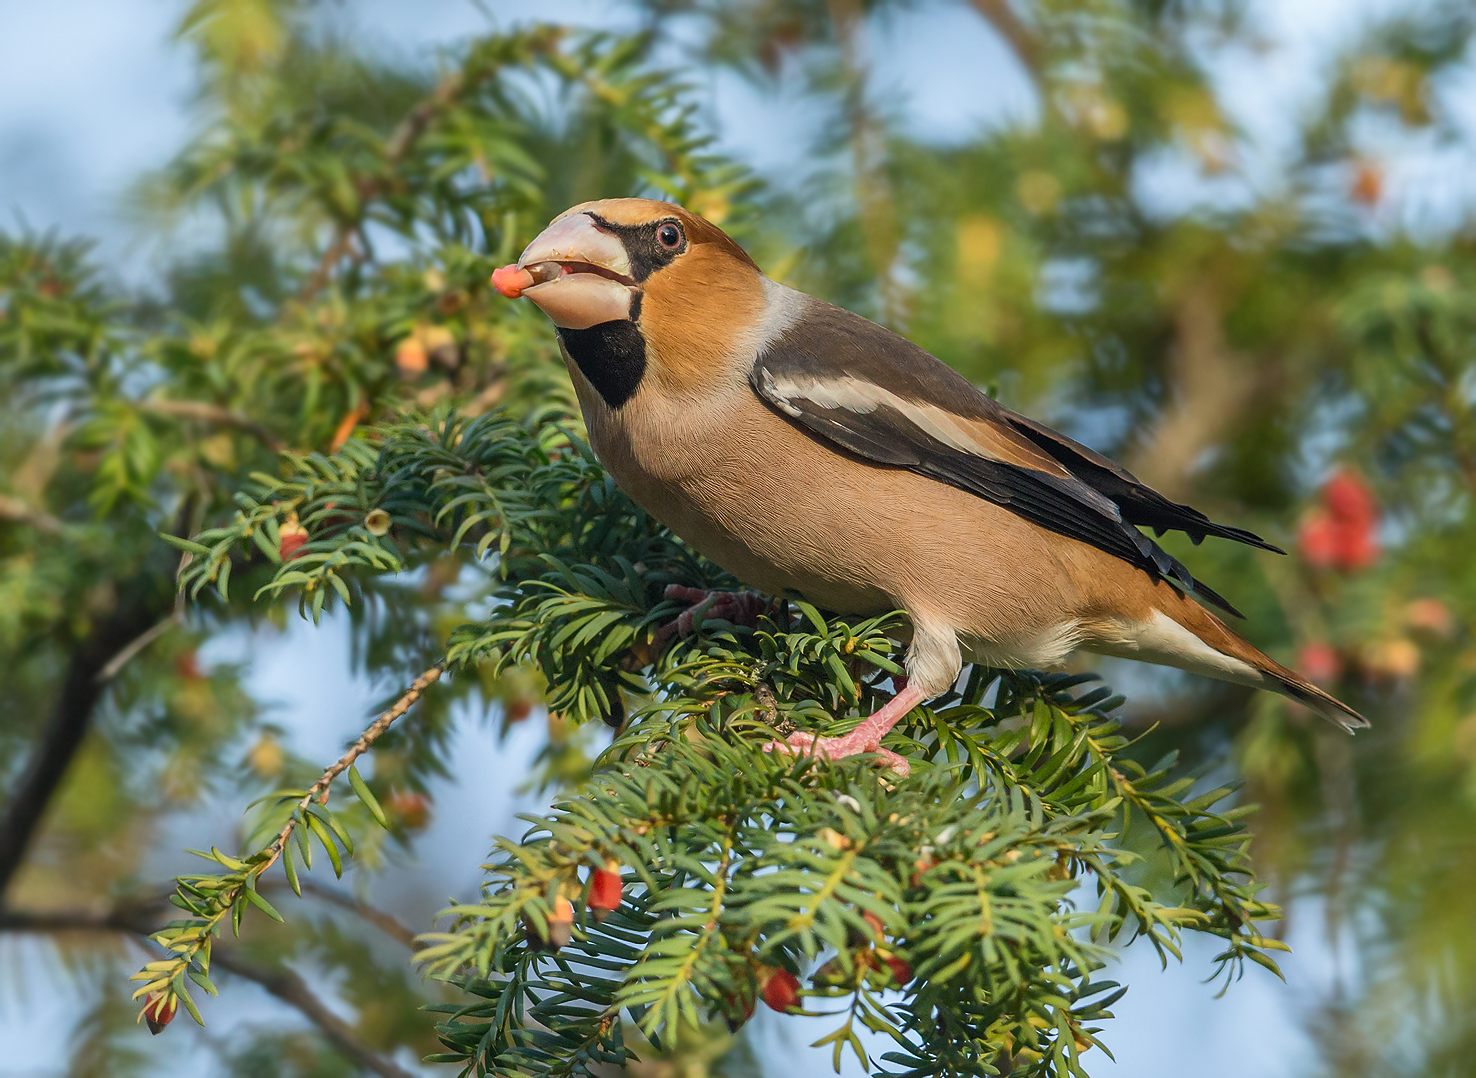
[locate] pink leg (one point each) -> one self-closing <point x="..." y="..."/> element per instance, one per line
<point x="864" y="738"/>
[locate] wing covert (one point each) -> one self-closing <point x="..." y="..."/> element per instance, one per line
<point x="884" y="399"/>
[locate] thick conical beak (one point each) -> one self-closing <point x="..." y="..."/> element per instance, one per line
<point x="577" y="274"/>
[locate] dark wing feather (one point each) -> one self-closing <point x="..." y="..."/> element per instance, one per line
<point x="1140" y="503"/>
<point x="1029" y="469"/>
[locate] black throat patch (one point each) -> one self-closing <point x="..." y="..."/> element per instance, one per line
<point x="611" y="355"/>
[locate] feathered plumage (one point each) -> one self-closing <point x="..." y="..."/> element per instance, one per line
<point x="810" y="451"/>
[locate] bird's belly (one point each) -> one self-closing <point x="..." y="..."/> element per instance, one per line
<point x="786" y="514"/>
<point x="767" y="548"/>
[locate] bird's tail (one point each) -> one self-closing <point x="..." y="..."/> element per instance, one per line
<point x="1264" y="671"/>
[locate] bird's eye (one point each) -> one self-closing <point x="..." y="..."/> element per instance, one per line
<point x="669" y="235"/>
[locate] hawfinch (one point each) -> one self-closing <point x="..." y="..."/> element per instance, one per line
<point x="811" y="452"/>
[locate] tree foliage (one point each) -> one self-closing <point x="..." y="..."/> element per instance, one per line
<point x="320" y="406"/>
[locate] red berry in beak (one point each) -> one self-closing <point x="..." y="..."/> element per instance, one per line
<point x="511" y="280"/>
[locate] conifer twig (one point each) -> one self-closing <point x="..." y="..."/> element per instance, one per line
<point x="213" y="899"/>
<point x="319" y="790"/>
<point x="279" y="981"/>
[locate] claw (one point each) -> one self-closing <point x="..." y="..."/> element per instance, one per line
<point x="737" y="607"/>
<point x="864" y="738"/>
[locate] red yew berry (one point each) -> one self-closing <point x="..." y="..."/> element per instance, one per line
<point x="781" y="990"/>
<point x="877" y="928"/>
<point x="901" y="971"/>
<point x="1343" y="534"/>
<point x="292" y="537"/>
<point x="1358" y="548"/>
<point x="604" y="890"/>
<point x="1348" y="498"/>
<point x="1318" y="540"/>
<point x="159" y="1010"/>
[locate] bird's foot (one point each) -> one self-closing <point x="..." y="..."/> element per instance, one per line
<point x="838" y="748"/>
<point x="737" y="607"/>
<point x="864" y="738"/>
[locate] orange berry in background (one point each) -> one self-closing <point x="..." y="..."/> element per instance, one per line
<point x="1431" y="615"/>
<point x="409" y="809"/>
<point x="411" y="357"/>
<point x="1320" y="661"/>
<point x="1367" y="187"/>
<point x="561" y="924"/>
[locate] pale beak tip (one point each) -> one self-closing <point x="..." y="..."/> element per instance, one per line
<point x="511" y="280"/>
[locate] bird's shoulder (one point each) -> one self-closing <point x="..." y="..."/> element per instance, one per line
<point x="831" y="367"/>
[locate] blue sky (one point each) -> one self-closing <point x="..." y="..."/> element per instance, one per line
<point x="92" y="92"/>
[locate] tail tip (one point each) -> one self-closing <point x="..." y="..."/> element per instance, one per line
<point x="1328" y="706"/>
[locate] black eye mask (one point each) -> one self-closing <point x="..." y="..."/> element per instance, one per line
<point x="647" y="254"/>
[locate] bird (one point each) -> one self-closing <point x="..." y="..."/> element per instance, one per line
<point x="813" y="453"/>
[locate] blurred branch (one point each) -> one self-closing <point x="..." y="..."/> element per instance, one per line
<point x="216" y="416"/>
<point x="18" y="511"/>
<point x="875" y="200"/>
<point x="134" y="646"/>
<point x="292" y="989"/>
<point x="1210" y="385"/>
<point x="400" y="143"/>
<point x="1020" y="38"/>
<point x="408" y="133"/>
<point x="63" y="735"/>
<point x="381" y="920"/>
<point x="280" y="981"/>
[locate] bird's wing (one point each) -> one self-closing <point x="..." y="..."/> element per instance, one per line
<point x="880" y="397"/>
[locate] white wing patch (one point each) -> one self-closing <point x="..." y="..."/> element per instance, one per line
<point x="864" y="397"/>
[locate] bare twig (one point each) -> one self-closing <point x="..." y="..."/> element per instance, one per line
<point x="278" y="980"/>
<point x="216" y="416"/>
<point x="18" y="511"/>
<point x="187" y="941"/>
<point x="292" y="989"/>
<point x="318" y="791"/>
<point x="134" y="646"/>
<point x="381" y="920"/>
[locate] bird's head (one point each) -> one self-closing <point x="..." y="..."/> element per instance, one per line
<point x="638" y="287"/>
